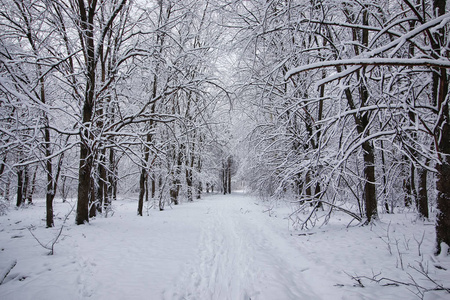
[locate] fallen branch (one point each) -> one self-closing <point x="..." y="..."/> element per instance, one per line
<point x="421" y="290"/>
<point x="348" y="212"/>
<point x="8" y="270"/>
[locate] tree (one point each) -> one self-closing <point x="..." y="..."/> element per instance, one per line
<point x="428" y="38"/>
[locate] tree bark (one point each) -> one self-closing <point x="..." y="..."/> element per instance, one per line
<point x="422" y="196"/>
<point x="32" y="186"/>
<point x="443" y="168"/>
<point x="86" y="152"/>
<point x="85" y="168"/>
<point x="440" y="92"/>
<point x="142" y="190"/>
<point x="19" y="186"/>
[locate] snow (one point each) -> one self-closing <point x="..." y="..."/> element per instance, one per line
<point x="221" y="247"/>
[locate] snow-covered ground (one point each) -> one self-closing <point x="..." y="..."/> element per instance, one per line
<point x="221" y="247"/>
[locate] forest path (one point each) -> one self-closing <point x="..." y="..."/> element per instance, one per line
<point x="240" y="256"/>
<point x="217" y="248"/>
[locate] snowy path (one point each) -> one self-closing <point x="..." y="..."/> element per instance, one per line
<point x="221" y="247"/>
<point x="239" y="256"/>
<point x="218" y="248"/>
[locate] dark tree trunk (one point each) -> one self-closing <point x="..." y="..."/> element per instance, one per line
<point x="199" y="190"/>
<point x="308" y="185"/>
<point x="102" y="179"/>
<point x="224" y="178"/>
<point x="32" y="187"/>
<point x="370" y="199"/>
<point x="369" y="191"/>
<point x="51" y="184"/>
<point x="440" y="94"/>
<point x="142" y="190"/>
<point x="409" y="186"/>
<point x="153" y="186"/>
<point x="383" y="168"/>
<point x="19" y="187"/>
<point x="84" y="184"/>
<point x="422" y="195"/>
<point x="143" y="179"/>
<point x="199" y="183"/>
<point x="50" y="193"/>
<point x="3" y="164"/>
<point x="443" y="168"/>
<point x="86" y="32"/>
<point x="370" y="196"/>
<point x="86" y="153"/>
<point x="26" y="185"/>
<point x="111" y="178"/>
<point x="317" y="192"/>
<point x="443" y="204"/>
<point x="7" y="188"/>
<point x="229" y="178"/>
<point x="93" y="204"/>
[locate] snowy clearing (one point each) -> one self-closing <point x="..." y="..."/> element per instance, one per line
<point x="221" y="247"/>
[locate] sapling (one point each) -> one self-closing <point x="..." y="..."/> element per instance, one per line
<point x="51" y="245"/>
<point x="419" y="243"/>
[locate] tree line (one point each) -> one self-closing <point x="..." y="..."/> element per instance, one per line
<point x="347" y="102"/>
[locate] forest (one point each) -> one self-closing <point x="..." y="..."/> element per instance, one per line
<point x="332" y="106"/>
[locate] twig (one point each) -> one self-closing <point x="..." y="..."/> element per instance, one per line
<point x="357" y="279"/>
<point x="400" y="255"/>
<point x="421" y="290"/>
<point x="8" y="270"/>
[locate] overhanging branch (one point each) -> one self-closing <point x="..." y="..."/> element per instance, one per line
<point x="363" y="62"/>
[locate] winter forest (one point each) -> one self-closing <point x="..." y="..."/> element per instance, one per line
<point x="272" y="149"/>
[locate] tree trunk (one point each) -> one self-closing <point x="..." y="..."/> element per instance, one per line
<point x="93" y="204"/>
<point x="32" y="186"/>
<point x="153" y="186"/>
<point x="84" y="179"/>
<point x="19" y="186"/>
<point x="189" y="183"/>
<point x="102" y="179"/>
<point x="3" y="163"/>
<point x="383" y="168"/>
<point x="7" y="188"/>
<point x="440" y="92"/>
<point x="85" y="187"/>
<point x="443" y="168"/>
<point x="111" y="177"/>
<point x="174" y="190"/>
<point x="224" y="178"/>
<point x="26" y="183"/>
<point x="229" y="177"/>
<point x="308" y="185"/>
<point x="422" y="196"/>
<point x="142" y="190"/>
<point x="370" y="199"/>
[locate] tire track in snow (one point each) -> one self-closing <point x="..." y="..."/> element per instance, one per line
<point x="240" y="257"/>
